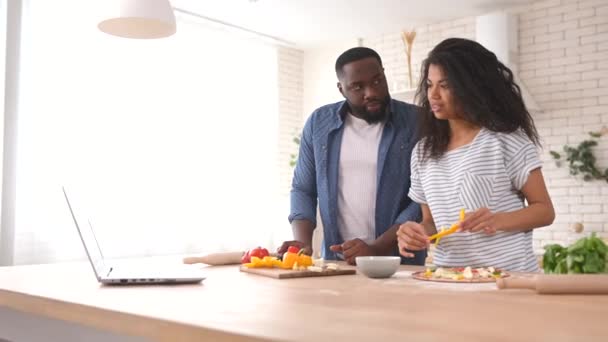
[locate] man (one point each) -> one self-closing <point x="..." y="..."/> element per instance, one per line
<point x="355" y="160"/>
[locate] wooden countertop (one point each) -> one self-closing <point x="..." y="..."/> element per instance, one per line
<point x="234" y="306"/>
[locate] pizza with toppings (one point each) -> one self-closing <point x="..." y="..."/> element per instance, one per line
<point x="461" y="274"/>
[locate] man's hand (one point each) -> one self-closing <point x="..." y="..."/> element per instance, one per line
<point x="307" y="249"/>
<point x="352" y="249"/>
<point x="411" y="236"/>
<point x="481" y="220"/>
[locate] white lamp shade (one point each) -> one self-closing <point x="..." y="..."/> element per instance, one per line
<point x="139" y="19"/>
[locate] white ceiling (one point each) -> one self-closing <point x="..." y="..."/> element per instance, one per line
<point x="309" y="23"/>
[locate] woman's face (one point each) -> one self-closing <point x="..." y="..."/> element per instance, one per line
<point x="439" y="93"/>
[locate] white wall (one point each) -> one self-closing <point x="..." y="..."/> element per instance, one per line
<point x="564" y="63"/>
<point x="291" y="89"/>
<point x="320" y="76"/>
<point x="392" y="51"/>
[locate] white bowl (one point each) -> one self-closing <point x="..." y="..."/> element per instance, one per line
<point x="378" y="266"/>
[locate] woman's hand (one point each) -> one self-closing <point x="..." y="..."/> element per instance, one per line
<point x="481" y="220"/>
<point x="411" y="236"/>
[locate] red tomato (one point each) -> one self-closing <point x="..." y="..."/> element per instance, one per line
<point x="246" y="258"/>
<point x="293" y="249"/>
<point x="259" y="252"/>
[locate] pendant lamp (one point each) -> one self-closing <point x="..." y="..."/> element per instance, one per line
<point x="138" y="19"/>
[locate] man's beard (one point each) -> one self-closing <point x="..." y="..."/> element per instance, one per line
<point x="370" y="117"/>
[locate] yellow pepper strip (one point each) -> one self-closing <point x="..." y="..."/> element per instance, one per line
<point x="255" y="262"/>
<point x="452" y="229"/>
<point x="267" y="261"/>
<point x="439" y="238"/>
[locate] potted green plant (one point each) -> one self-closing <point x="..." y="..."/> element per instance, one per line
<point x="581" y="159"/>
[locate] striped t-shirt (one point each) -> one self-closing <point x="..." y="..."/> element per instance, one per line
<point x="488" y="172"/>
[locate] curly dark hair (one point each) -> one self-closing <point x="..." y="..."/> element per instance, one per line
<point x="481" y="85"/>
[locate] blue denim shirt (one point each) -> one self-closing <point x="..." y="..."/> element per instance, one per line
<point x="316" y="173"/>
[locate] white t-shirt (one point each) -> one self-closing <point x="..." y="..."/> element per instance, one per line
<point x="357" y="178"/>
<point x="489" y="172"/>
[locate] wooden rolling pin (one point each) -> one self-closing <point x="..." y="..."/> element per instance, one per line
<point x="227" y="258"/>
<point x="558" y="284"/>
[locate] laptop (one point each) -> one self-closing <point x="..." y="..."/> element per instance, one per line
<point x="112" y="272"/>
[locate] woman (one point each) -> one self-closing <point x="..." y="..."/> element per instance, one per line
<point x="477" y="152"/>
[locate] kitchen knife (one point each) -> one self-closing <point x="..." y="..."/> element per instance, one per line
<point x="558" y="284"/>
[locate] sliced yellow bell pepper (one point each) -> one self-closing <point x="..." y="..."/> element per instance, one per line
<point x="441" y="230"/>
<point x="452" y="229"/>
<point x="289" y="259"/>
<point x="255" y="262"/>
<point x="267" y="261"/>
<point x="305" y="260"/>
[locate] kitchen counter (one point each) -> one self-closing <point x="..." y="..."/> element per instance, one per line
<point x="235" y="306"/>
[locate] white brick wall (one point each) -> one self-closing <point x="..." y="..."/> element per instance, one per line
<point x="577" y="88"/>
<point x="564" y="64"/>
<point x="290" y="75"/>
<point x="392" y="50"/>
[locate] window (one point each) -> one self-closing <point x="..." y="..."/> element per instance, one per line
<point x="171" y="143"/>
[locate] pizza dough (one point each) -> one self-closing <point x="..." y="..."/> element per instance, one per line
<point x="461" y="274"/>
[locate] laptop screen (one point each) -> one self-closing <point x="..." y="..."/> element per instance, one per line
<point x="87" y="236"/>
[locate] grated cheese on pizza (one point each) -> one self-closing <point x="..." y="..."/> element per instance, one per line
<point x="462" y="273"/>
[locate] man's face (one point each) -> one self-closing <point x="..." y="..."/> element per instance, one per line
<point x="363" y="85"/>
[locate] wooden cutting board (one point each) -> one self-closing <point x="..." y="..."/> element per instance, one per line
<point x="286" y="274"/>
